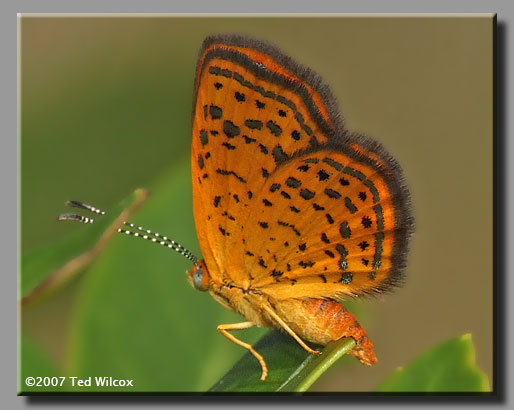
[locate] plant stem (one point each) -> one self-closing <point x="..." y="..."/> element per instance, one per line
<point x="329" y="358"/>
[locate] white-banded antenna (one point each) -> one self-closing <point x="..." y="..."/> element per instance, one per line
<point x="82" y="205"/>
<point x="137" y="231"/>
<point x="140" y="232"/>
<point x="75" y="217"/>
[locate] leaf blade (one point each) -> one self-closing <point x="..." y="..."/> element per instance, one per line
<point x="448" y="367"/>
<point x="290" y="367"/>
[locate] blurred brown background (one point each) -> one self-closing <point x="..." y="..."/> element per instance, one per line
<point x="106" y="108"/>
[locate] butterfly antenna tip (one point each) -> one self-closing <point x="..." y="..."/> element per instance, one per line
<point x="79" y="218"/>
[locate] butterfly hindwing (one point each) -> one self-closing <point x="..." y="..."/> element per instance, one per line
<point x="337" y="229"/>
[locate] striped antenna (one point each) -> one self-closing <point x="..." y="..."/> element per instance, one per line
<point x="137" y="231"/>
<point x="155" y="237"/>
<point x="82" y="205"/>
<point x="75" y="217"/>
<point x="80" y="218"/>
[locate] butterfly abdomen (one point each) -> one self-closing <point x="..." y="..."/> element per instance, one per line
<point x="323" y="321"/>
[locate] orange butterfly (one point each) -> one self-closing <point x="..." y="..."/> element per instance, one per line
<point x="293" y="212"/>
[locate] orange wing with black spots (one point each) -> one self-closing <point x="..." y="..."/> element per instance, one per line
<point x="285" y="199"/>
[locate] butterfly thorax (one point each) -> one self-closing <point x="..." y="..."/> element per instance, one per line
<point x="246" y="302"/>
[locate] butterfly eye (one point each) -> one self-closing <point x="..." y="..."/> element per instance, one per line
<point x="197" y="279"/>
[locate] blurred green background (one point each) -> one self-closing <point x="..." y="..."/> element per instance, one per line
<point x="105" y="108"/>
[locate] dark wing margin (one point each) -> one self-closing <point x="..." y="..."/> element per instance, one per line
<point x="221" y="44"/>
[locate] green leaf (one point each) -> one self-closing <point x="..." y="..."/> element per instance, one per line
<point x="449" y="367"/>
<point x="33" y="363"/>
<point x="290" y="367"/>
<point x="46" y="268"/>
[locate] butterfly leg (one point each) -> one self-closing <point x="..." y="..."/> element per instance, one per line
<point x="224" y="330"/>
<point x="284" y="325"/>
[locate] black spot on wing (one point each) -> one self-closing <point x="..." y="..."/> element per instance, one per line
<point x="220" y="71"/>
<point x="349" y="204"/>
<point x="307" y="194"/>
<point x="204" y="137"/>
<point x="346" y="278"/>
<point x="363" y="245"/>
<point x="366" y="222"/>
<point x="305" y="265"/>
<point x="254" y="124"/>
<point x="293" y="182"/>
<point x="279" y="154"/>
<point x="216" y="112"/>
<point x="228" y="146"/>
<point x="334" y="164"/>
<point x="296" y="231"/>
<point x="230" y="129"/>
<point x="332" y="194"/>
<point x="323" y="175"/>
<point x="261" y="262"/>
<point x="329" y="253"/>
<point x="274" y="128"/>
<point x="225" y="172"/>
<point x="343" y="264"/>
<point x="344" y="230"/>
<point x="274" y="187"/>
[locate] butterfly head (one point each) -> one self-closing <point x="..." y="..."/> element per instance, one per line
<point x="198" y="276"/>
